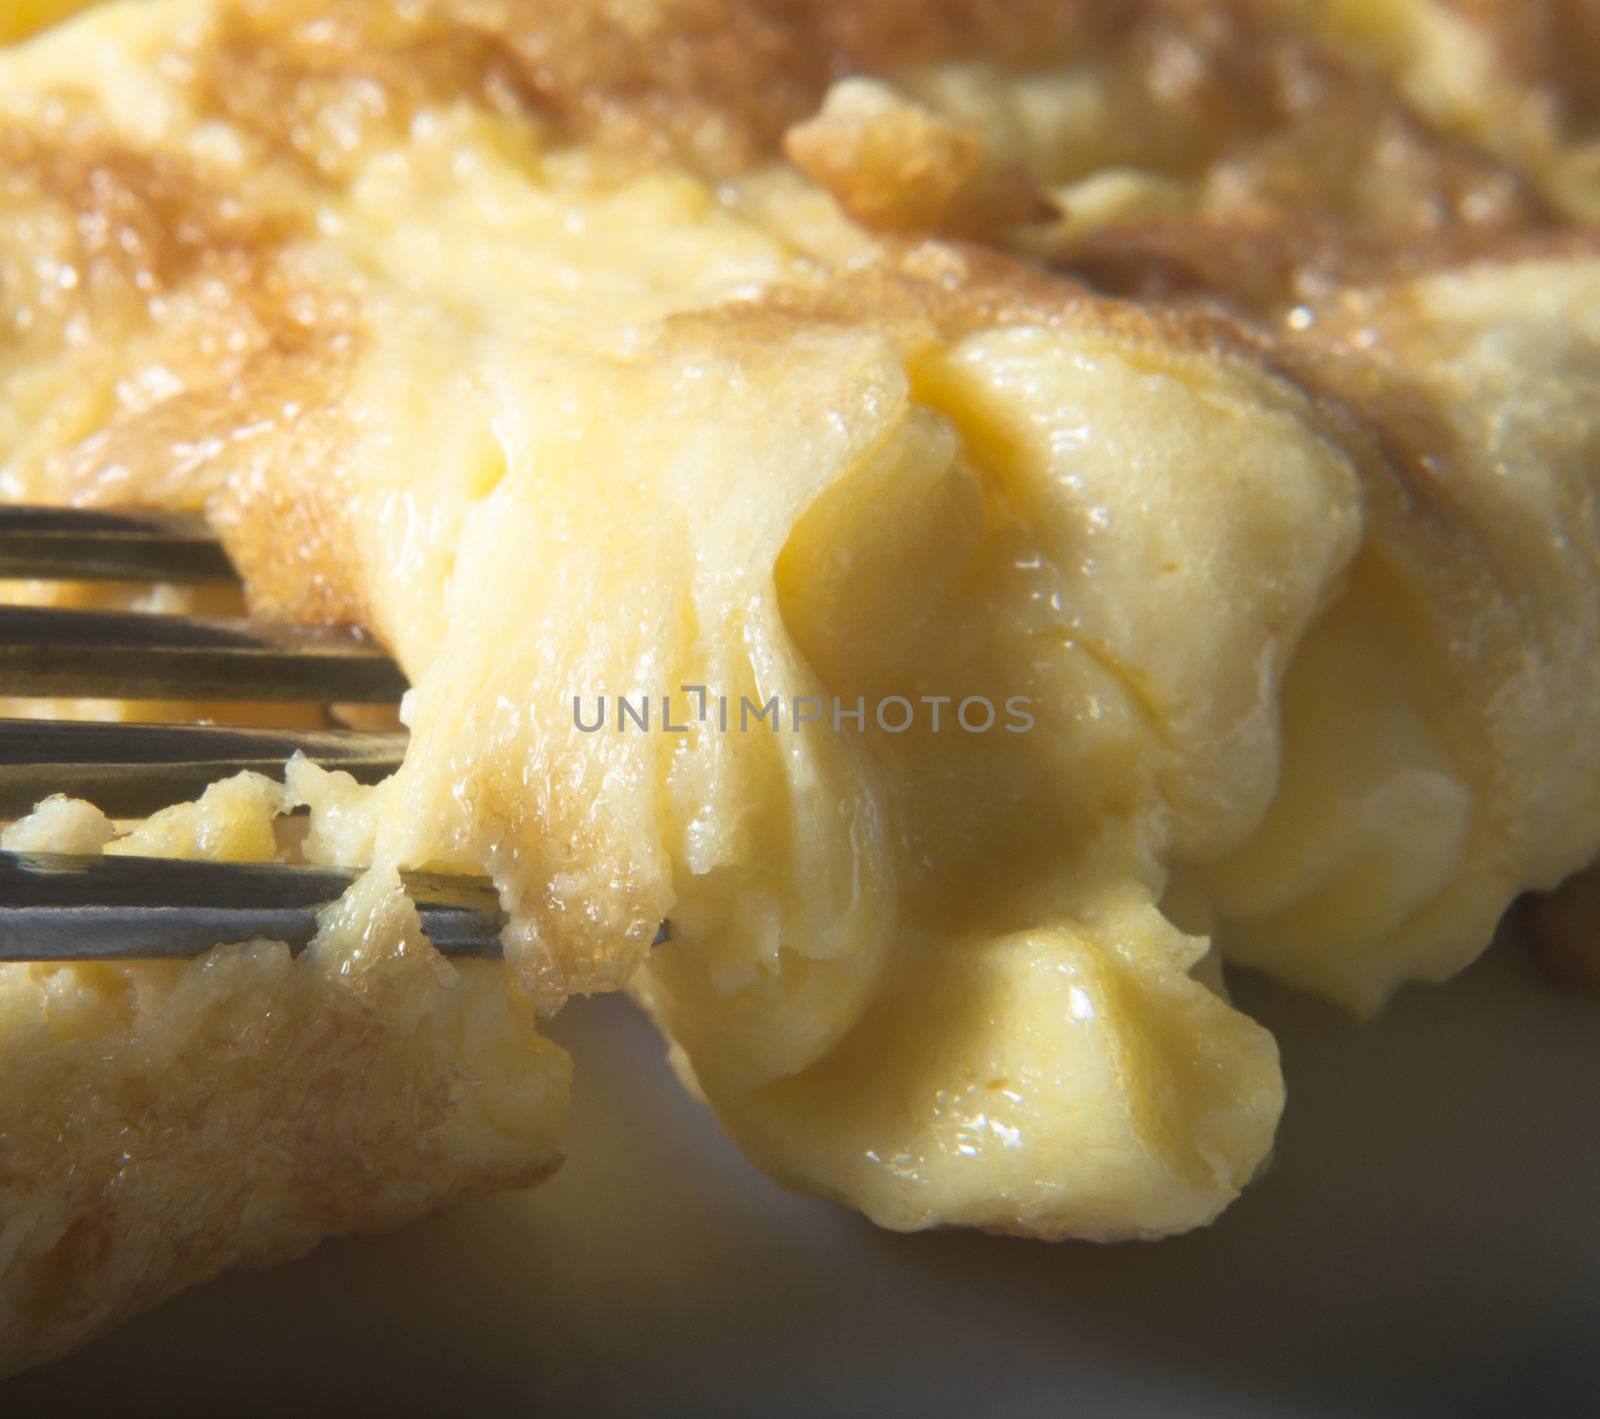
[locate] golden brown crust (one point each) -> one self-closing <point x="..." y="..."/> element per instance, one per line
<point x="144" y="220"/>
<point x="1308" y="169"/>
<point x="895" y="166"/>
<point x="920" y="293"/>
<point x="1270" y="119"/>
<point x="1265" y="272"/>
<point x="1255" y="100"/>
<point x="262" y="347"/>
<point x="712" y="83"/>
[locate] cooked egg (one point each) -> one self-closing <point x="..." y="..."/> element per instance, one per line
<point x="163" y="1121"/>
<point x="1088" y="641"/>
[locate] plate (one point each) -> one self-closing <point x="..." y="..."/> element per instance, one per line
<point x="1427" y="1241"/>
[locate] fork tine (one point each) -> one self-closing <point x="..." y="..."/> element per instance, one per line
<point x="50" y="651"/>
<point x="130" y="770"/>
<point x="61" y="907"/>
<point x="57" y="907"/>
<point x="81" y="544"/>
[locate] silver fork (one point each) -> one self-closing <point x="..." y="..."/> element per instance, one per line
<point x="56" y="907"/>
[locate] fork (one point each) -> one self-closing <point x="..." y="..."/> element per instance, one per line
<point x="59" y="907"/>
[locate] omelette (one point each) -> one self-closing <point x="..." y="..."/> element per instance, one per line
<point x="977" y="516"/>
